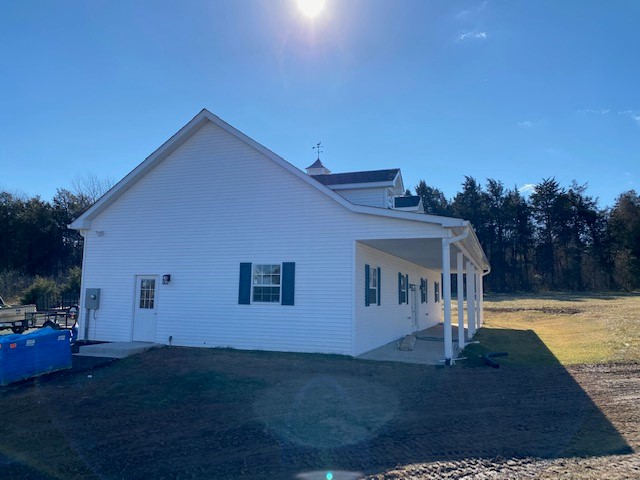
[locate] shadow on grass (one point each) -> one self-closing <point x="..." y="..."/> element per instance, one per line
<point x="531" y="407"/>
<point x="582" y="429"/>
<point x="525" y="348"/>
<point x="206" y="413"/>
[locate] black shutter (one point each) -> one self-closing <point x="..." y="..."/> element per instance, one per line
<point x="288" y="283"/>
<point x="244" y="293"/>
<point x="406" y="295"/>
<point x="367" y="280"/>
<point x="379" y="286"/>
<point x="423" y="290"/>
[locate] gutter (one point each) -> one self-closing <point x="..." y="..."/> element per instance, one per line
<point x="462" y="236"/>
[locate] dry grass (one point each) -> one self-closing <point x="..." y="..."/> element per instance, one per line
<point x="575" y="328"/>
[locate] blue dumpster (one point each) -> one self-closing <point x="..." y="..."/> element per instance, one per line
<point x="33" y="354"/>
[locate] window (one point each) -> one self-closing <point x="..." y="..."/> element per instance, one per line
<point x="372" y="287"/>
<point x="266" y="283"/>
<point x="147" y="292"/>
<point x="436" y="292"/>
<point x="423" y="290"/>
<point x="403" y="285"/>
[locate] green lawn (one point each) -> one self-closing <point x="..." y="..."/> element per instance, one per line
<point x="560" y="327"/>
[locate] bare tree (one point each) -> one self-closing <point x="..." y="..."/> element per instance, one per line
<point x="90" y="187"/>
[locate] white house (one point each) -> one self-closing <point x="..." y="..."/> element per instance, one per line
<point x="214" y="240"/>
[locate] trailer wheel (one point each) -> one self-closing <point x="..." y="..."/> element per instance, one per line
<point x="17" y="329"/>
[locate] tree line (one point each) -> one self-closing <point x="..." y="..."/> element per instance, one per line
<point x="34" y="238"/>
<point x="556" y="238"/>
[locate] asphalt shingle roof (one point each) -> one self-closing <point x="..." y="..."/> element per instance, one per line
<point x="372" y="176"/>
<point x="316" y="164"/>
<point x="406" y="202"/>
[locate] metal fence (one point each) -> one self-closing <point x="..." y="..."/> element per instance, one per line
<point x="56" y="302"/>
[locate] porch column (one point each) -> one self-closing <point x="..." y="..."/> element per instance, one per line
<point x="471" y="299"/>
<point x="446" y="293"/>
<point x="480" y="295"/>
<point x="477" y="300"/>
<point x="460" y="289"/>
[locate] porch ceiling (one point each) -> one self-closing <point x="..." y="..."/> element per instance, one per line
<point x="426" y="252"/>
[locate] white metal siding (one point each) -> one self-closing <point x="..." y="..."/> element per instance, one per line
<point x="376" y="325"/>
<point x="213" y="203"/>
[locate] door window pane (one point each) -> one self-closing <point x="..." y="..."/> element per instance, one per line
<point x="147" y="293"/>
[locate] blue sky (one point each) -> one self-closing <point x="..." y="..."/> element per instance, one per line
<point x="512" y="90"/>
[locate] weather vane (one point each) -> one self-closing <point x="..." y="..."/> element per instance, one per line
<point x="318" y="149"/>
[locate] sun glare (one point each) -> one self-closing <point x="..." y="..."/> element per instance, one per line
<point x="311" y="8"/>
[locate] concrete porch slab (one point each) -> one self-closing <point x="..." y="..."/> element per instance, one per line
<point x="115" y="349"/>
<point x="428" y="350"/>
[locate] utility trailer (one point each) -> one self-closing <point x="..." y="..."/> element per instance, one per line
<point x="18" y="317"/>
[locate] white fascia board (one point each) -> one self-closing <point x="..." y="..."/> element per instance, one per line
<point x="415" y="217"/>
<point x="471" y="248"/>
<point x="80" y="225"/>
<point x="399" y="177"/>
<point x="473" y="240"/>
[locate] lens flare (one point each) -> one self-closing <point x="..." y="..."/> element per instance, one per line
<point x="311" y="8"/>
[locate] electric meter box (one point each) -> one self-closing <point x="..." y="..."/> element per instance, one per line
<point x="92" y="298"/>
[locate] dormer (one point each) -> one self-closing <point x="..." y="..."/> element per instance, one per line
<point x="409" y="203"/>
<point x="317" y="168"/>
<point x="374" y="188"/>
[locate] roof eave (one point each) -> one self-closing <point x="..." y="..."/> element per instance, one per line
<point x="413" y="216"/>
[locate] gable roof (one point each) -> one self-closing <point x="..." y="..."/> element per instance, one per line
<point x="407" y="202"/>
<point x="83" y="222"/>
<point x="372" y="176"/>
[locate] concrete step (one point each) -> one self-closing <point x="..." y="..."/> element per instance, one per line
<point x="115" y="349"/>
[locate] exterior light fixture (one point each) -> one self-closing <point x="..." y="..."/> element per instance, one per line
<point x="166" y="279"/>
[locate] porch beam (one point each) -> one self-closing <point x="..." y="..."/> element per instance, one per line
<point x="446" y="291"/>
<point x="471" y="300"/>
<point x="460" y="296"/>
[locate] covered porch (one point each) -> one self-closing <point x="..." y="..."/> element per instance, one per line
<point x="428" y="349"/>
<point x="458" y="252"/>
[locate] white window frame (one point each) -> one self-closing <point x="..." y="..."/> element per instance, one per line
<point x="254" y="285"/>
<point x="373" y="274"/>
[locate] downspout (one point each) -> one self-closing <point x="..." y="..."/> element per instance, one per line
<point x="446" y="286"/>
<point x="481" y="311"/>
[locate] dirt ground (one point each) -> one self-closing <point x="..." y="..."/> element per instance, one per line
<point x="200" y="413"/>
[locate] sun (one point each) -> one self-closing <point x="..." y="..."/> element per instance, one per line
<point x="311" y="8"/>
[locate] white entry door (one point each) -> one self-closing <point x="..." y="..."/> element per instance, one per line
<point x="145" y="308"/>
<point x="413" y="300"/>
